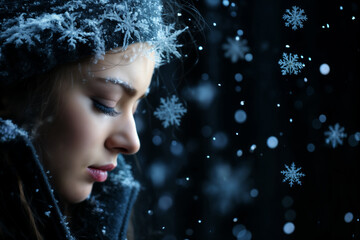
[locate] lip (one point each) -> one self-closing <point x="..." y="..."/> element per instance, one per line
<point x="107" y="167"/>
<point x="99" y="173"/>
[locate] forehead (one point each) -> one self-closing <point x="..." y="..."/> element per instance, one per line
<point x="128" y="55"/>
<point x="134" y="66"/>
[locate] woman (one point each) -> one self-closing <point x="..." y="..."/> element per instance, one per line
<point x="72" y="74"/>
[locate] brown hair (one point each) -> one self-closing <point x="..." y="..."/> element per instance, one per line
<point x="28" y="104"/>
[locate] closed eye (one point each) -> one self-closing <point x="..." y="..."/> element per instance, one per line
<point x="105" y="109"/>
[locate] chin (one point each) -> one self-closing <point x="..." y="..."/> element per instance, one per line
<point x="76" y="195"/>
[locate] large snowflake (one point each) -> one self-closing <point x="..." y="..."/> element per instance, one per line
<point x="289" y="64"/>
<point x="70" y="32"/>
<point x="295" y="18"/>
<point x="126" y="20"/>
<point x="335" y="135"/>
<point x="23" y="31"/>
<point x="235" y="49"/>
<point x="166" y="41"/>
<point x="292" y="175"/>
<point x="170" y="111"/>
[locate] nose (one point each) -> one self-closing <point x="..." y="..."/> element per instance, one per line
<point x="124" y="138"/>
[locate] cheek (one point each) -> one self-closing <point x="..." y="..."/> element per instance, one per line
<point x="71" y="143"/>
<point x="75" y="131"/>
<point x="76" y="125"/>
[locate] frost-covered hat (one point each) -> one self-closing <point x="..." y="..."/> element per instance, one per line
<point x="35" y="36"/>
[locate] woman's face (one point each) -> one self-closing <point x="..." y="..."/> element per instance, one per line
<point x="95" y="123"/>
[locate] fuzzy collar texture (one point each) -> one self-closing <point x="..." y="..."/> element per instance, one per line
<point x="35" y="36"/>
<point x="104" y="215"/>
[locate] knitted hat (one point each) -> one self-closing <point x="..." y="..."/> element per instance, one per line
<point x="35" y="36"/>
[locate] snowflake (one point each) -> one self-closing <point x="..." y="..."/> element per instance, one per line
<point x="292" y="175"/>
<point x="289" y="64"/>
<point x="166" y="42"/>
<point x="335" y="135"/>
<point x="126" y="21"/>
<point x="170" y="111"/>
<point x="47" y="213"/>
<point x="235" y="49"/>
<point x="19" y="34"/>
<point x="70" y="32"/>
<point x="23" y="31"/>
<point x="294" y="17"/>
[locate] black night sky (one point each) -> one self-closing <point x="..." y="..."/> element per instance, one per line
<point x="215" y="177"/>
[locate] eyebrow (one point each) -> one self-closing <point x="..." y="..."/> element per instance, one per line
<point x="125" y="85"/>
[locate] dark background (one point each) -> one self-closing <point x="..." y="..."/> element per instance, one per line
<point x="195" y="187"/>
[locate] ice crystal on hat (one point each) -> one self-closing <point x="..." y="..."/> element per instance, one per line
<point x="70" y="32"/>
<point x="125" y="19"/>
<point x="170" y="111"/>
<point x="36" y="36"/>
<point x="335" y="135"/>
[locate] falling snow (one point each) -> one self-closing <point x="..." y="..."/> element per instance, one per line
<point x="235" y="49"/>
<point x="47" y="213"/>
<point x="294" y="18"/>
<point x="289" y="64"/>
<point x="166" y="42"/>
<point x="292" y="175"/>
<point x="103" y="230"/>
<point x="227" y="187"/>
<point x="170" y="111"/>
<point x="335" y="135"/>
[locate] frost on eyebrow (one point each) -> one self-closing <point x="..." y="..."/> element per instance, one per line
<point x="126" y="85"/>
<point x="122" y="83"/>
<point x="116" y="81"/>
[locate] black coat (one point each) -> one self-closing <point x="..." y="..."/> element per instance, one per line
<point x="104" y="215"/>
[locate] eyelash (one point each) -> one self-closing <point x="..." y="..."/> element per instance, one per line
<point x="105" y="110"/>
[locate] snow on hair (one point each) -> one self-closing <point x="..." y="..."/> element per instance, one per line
<point x="35" y="36"/>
